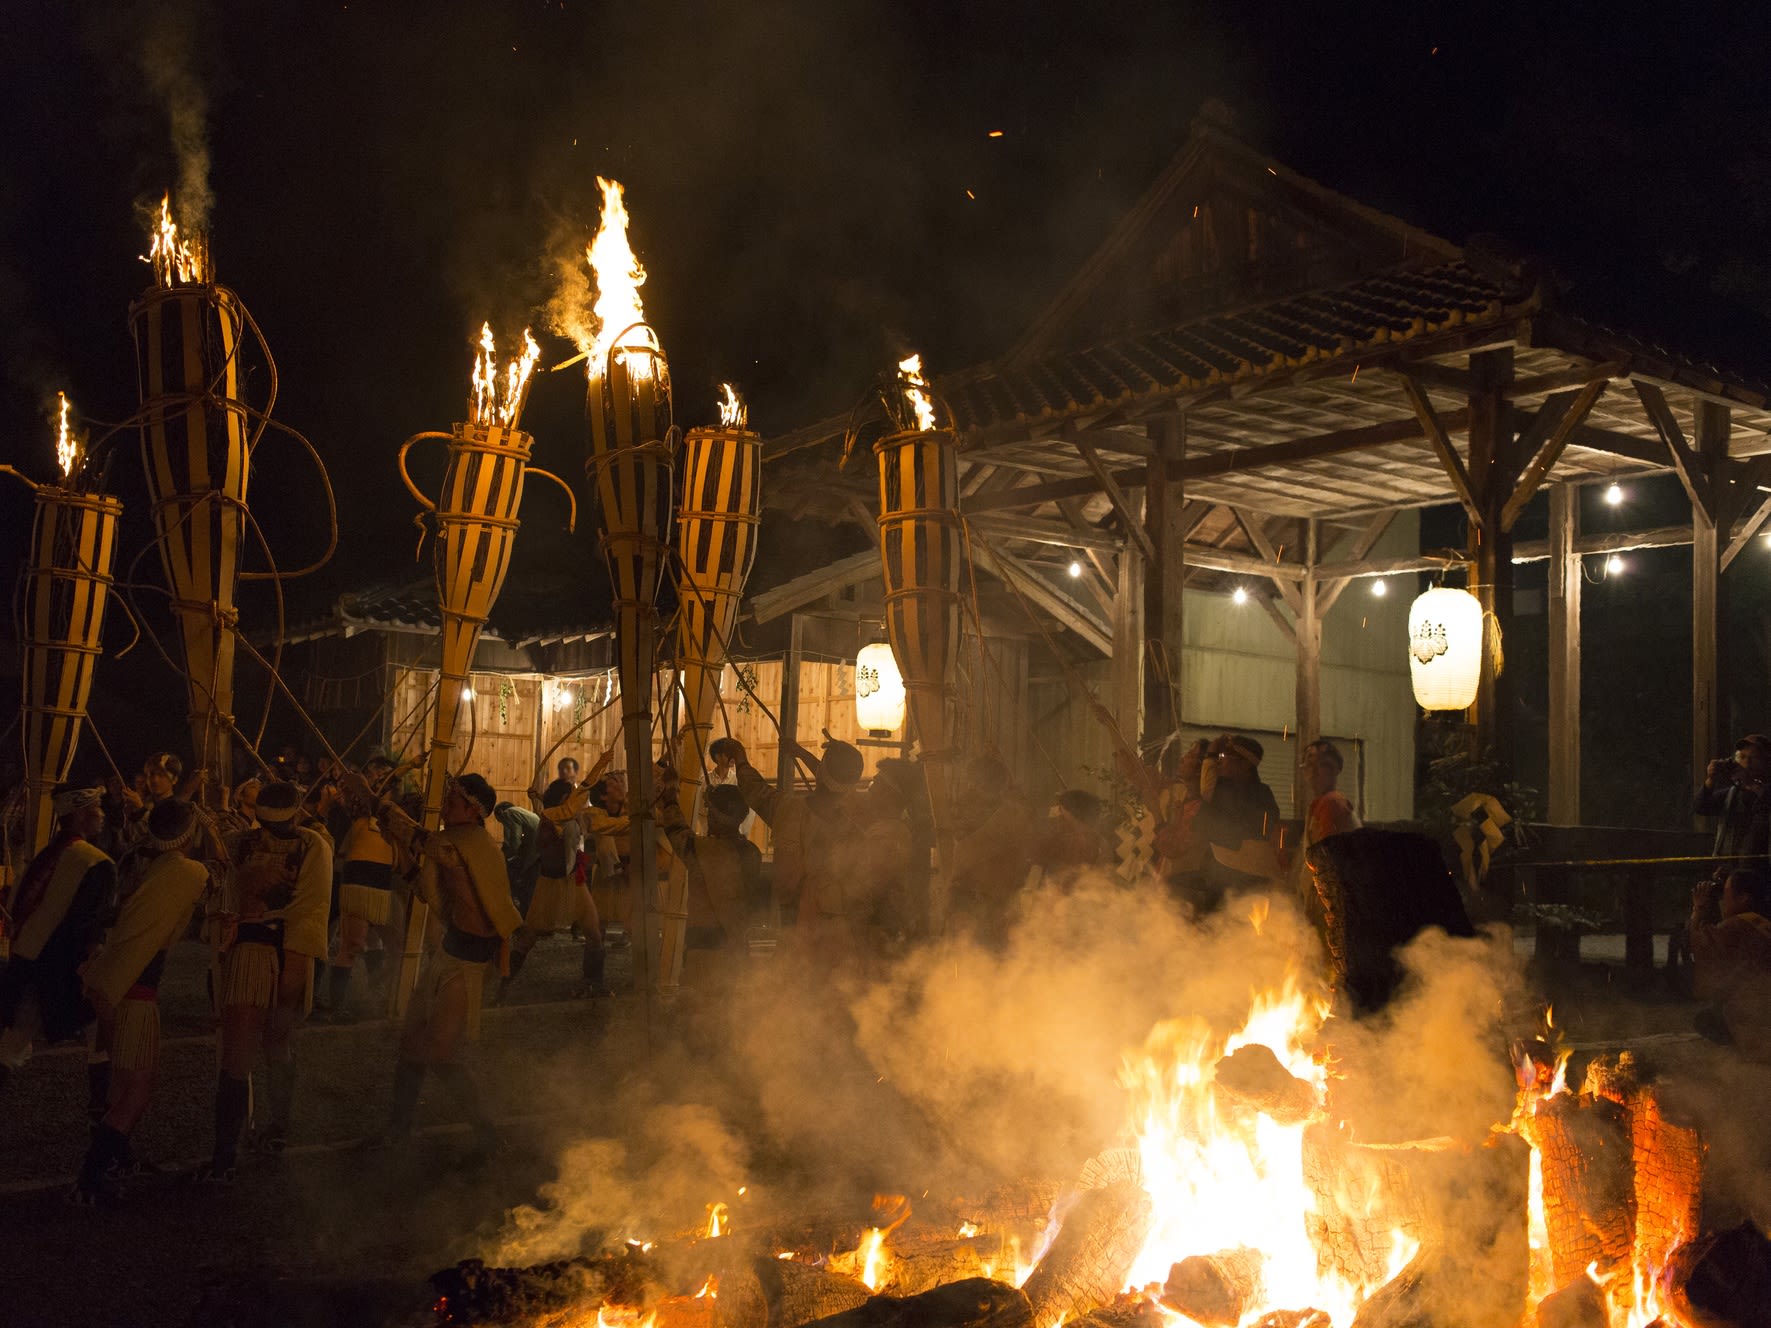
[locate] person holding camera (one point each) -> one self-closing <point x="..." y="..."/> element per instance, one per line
<point x="1737" y="791"/>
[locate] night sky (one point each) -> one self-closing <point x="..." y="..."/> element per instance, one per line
<point x="386" y="176"/>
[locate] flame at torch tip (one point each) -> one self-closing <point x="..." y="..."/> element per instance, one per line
<point x="488" y="407"/>
<point x="66" y="449"/>
<point x="733" y="413"/>
<point x="916" y="392"/>
<point x="175" y="261"/>
<point x="617" y="275"/>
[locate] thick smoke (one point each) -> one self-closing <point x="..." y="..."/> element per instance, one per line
<point x="568" y="311"/>
<point x="165" y="57"/>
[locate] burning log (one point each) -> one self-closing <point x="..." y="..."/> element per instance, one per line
<point x="1580" y="1304"/>
<point x="1588" y="1182"/>
<point x="1215" y="1289"/>
<point x="1724" y="1279"/>
<point x="716" y="545"/>
<point x="973" y="1303"/>
<point x="1129" y="1311"/>
<point x="1380" y="889"/>
<point x="1092" y="1255"/>
<point x="1253" y="1077"/>
<point x="917" y="1268"/>
<point x="799" y="1293"/>
<point x="1363" y="1195"/>
<point x="470" y="1293"/>
<point x="1294" y="1319"/>
<point x="67" y="585"/>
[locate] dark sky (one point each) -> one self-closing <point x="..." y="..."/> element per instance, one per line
<point x="387" y="175"/>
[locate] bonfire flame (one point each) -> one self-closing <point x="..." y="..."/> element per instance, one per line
<point x="489" y="405"/>
<point x="67" y="449"/>
<point x="916" y="392"/>
<point x="618" y="277"/>
<point x="733" y="413"/>
<point x="176" y="261"/>
<point x="718" y="1220"/>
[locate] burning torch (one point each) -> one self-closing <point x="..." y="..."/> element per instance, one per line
<point x="197" y="454"/>
<point x="631" y="446"/>
<point x="715" y="544"/>
<point x="475" y="523"/>
<point x="67" y="585"/>
<point x="919" y="544"/>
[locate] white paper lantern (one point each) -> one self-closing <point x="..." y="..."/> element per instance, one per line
<point x="879" y="689"/>
<point x="1445" y="648"/>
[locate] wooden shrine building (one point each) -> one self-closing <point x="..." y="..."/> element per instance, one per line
<point x="1256" y="382"/>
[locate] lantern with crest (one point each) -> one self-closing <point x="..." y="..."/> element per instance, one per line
<point x="716" y="545"/>
<point x="475" y="524"/>
<point x="66" y="590"/>
<point x="1445" y="648"/>
<point x="632" y="447"/>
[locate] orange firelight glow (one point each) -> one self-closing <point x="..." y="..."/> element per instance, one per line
<point x="732" y="411"/>
<point x="489" y="405"/>
<point x="67" y="451"/>
<point x="916" y="392"/>
<point x="618" y="277"/>
<point x="176" y="261"/>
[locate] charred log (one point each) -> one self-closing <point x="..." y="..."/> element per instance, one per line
<point x="1580" y="1304"/>
<point x="973" y="1303"/>
<point x="1294" y="1319"/>
<point x="1251" y="1076"/>
<point x="1215" y="1289"/>
<point x="798" y="1293"/>
<point x="1127" y="1311"/>
<point x="1091" y="1256"/>
<point x="1588" y="1182"/>
<point x="1363" y="1196"/>
<point x="1723" y="1279"/>
<point x="931" y="1263"/>
<point x="472" y="1293"/>
<point x="1379" y="889"/>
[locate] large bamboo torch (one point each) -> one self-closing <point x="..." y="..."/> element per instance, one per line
<point x="476" y="524"/>
<point x="67" y="585"/>
<point x="631" y="447"/>
<point x="715" y="546"/>
<point x="919" y="544"/>
<point x="196" y="453"/>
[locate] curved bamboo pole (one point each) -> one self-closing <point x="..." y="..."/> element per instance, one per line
<point x="716" y="545"/>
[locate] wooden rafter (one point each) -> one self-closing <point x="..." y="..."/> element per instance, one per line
<point x="1328" y="591"/>
<point x="1105" y="590"/>
<point x="1279" y="619"/>
<point x="1257" y="536"/>
<point x="1020" y="577"/>
<point x="1689" y="467"/>
<point x="1129" y="517"/>
<point x="1005" y="525"/>
<point x="865" y="516"/>
<point x="814" y="586"/>
<point x="1753" y="475"/>
<point x="1435" y="430"/>
<point x="1563" y="413"/>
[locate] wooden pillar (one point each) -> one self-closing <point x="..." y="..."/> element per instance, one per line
<point x="1128" y="643"/>
<point x="1564" y="716"/>
<point x="1493" y="469"/>
<point x="1307" y="630"/>
<point x="1709" y="709"/>
<point x="1164" y="500"/>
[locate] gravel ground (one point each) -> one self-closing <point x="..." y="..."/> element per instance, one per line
<point x="332" y="1233"/>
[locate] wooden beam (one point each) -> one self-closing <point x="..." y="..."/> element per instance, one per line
<point x="1566" y="410"/>
<point x="1441" y="376"/>
<point x="815" y="585"/>
<point x="1689" y="467"/>
<point x="1015" y="574"/>
<point x="1102" y="584"/>
<point x="1578" y="376"/>
<point x="1006" y="525"/>
<point x="1129" y="517"/>
<point x="1434" y="430"/>
<point x="1709" y="699"/>
<point x="1128" y="645"/>
<point x="1239" y="460"/>
<point x="1279" y="619"/>
<point x="865" y="517"/>
<point x="1744" y="533"/>
<point x="1493" y="471"/>
<point x="1328" y="592"/>
<point x="1165" y="577"/>
<point x="1625" y="445"/>
<point x="1257" y="536"/>
<point x="1240" y="564"/>
<point x="1566" y="576"/>
<point x="1307" y="633"/>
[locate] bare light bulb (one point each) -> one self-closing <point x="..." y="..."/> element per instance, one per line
<point x="1380" y="588"/>
<point x="1075" y="569"/>
<point x="1613" y="565"/>
<point x="467" y="693"/>
<point x="1613" y="495"/>
<point x="1240" y="596"/>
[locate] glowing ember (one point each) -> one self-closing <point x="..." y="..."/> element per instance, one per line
<point x="916" y="392"/>
<point x="718" y="1220"/>
<point x="67" y="451"/>
<point x="618" y="276"/>
<point x="176" y="261"/>
<point x="732" y="415"/>
<point x="623" y="1316"/>
<point x="490" y="406"/>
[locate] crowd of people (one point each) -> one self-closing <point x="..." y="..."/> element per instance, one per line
<point x="300" y="880"/>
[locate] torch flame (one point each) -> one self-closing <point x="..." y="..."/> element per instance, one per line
<point x="489" y="406"/>
<point x="617" y="273"/>
<point x="732" y="411"/>
<point x="176" y="262"/>
<point x="67" y="451"/>
<point x="916" y="391"/>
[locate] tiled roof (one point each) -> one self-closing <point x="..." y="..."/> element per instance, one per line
<point x="1227" y="348"/>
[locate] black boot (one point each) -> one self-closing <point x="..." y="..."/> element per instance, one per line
<point x="233" y="1099"/>
<point x="466" y="1093"/>
<point x="98" y="1088"/>
<point x="105" y="1154"/>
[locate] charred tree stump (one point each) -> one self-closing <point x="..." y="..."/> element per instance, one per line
<point x="798" y="1293"/>
<point x="1723" y="1279"/>
<point x="1379" y="889"/>
<point x="973" y="1303"/>
<point x="1215" y="1289"/>
<point x="1354" y="1235"/>
<point x="1588" y="1183"/>
<point x="1092" y="1255"/>
<point x="1669" y="1178"/>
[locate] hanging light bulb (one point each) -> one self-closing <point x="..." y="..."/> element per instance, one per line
<point x="1613" y="495"/>
<point x="1614" y="566"/>
<point x="1239" y="595"/>
<point x="1380" y="588"/>
<point x="1075" y="569"/>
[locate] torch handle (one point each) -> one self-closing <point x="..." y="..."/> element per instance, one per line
<point x="406" y="475"/>
<point x="571" y="498"/>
